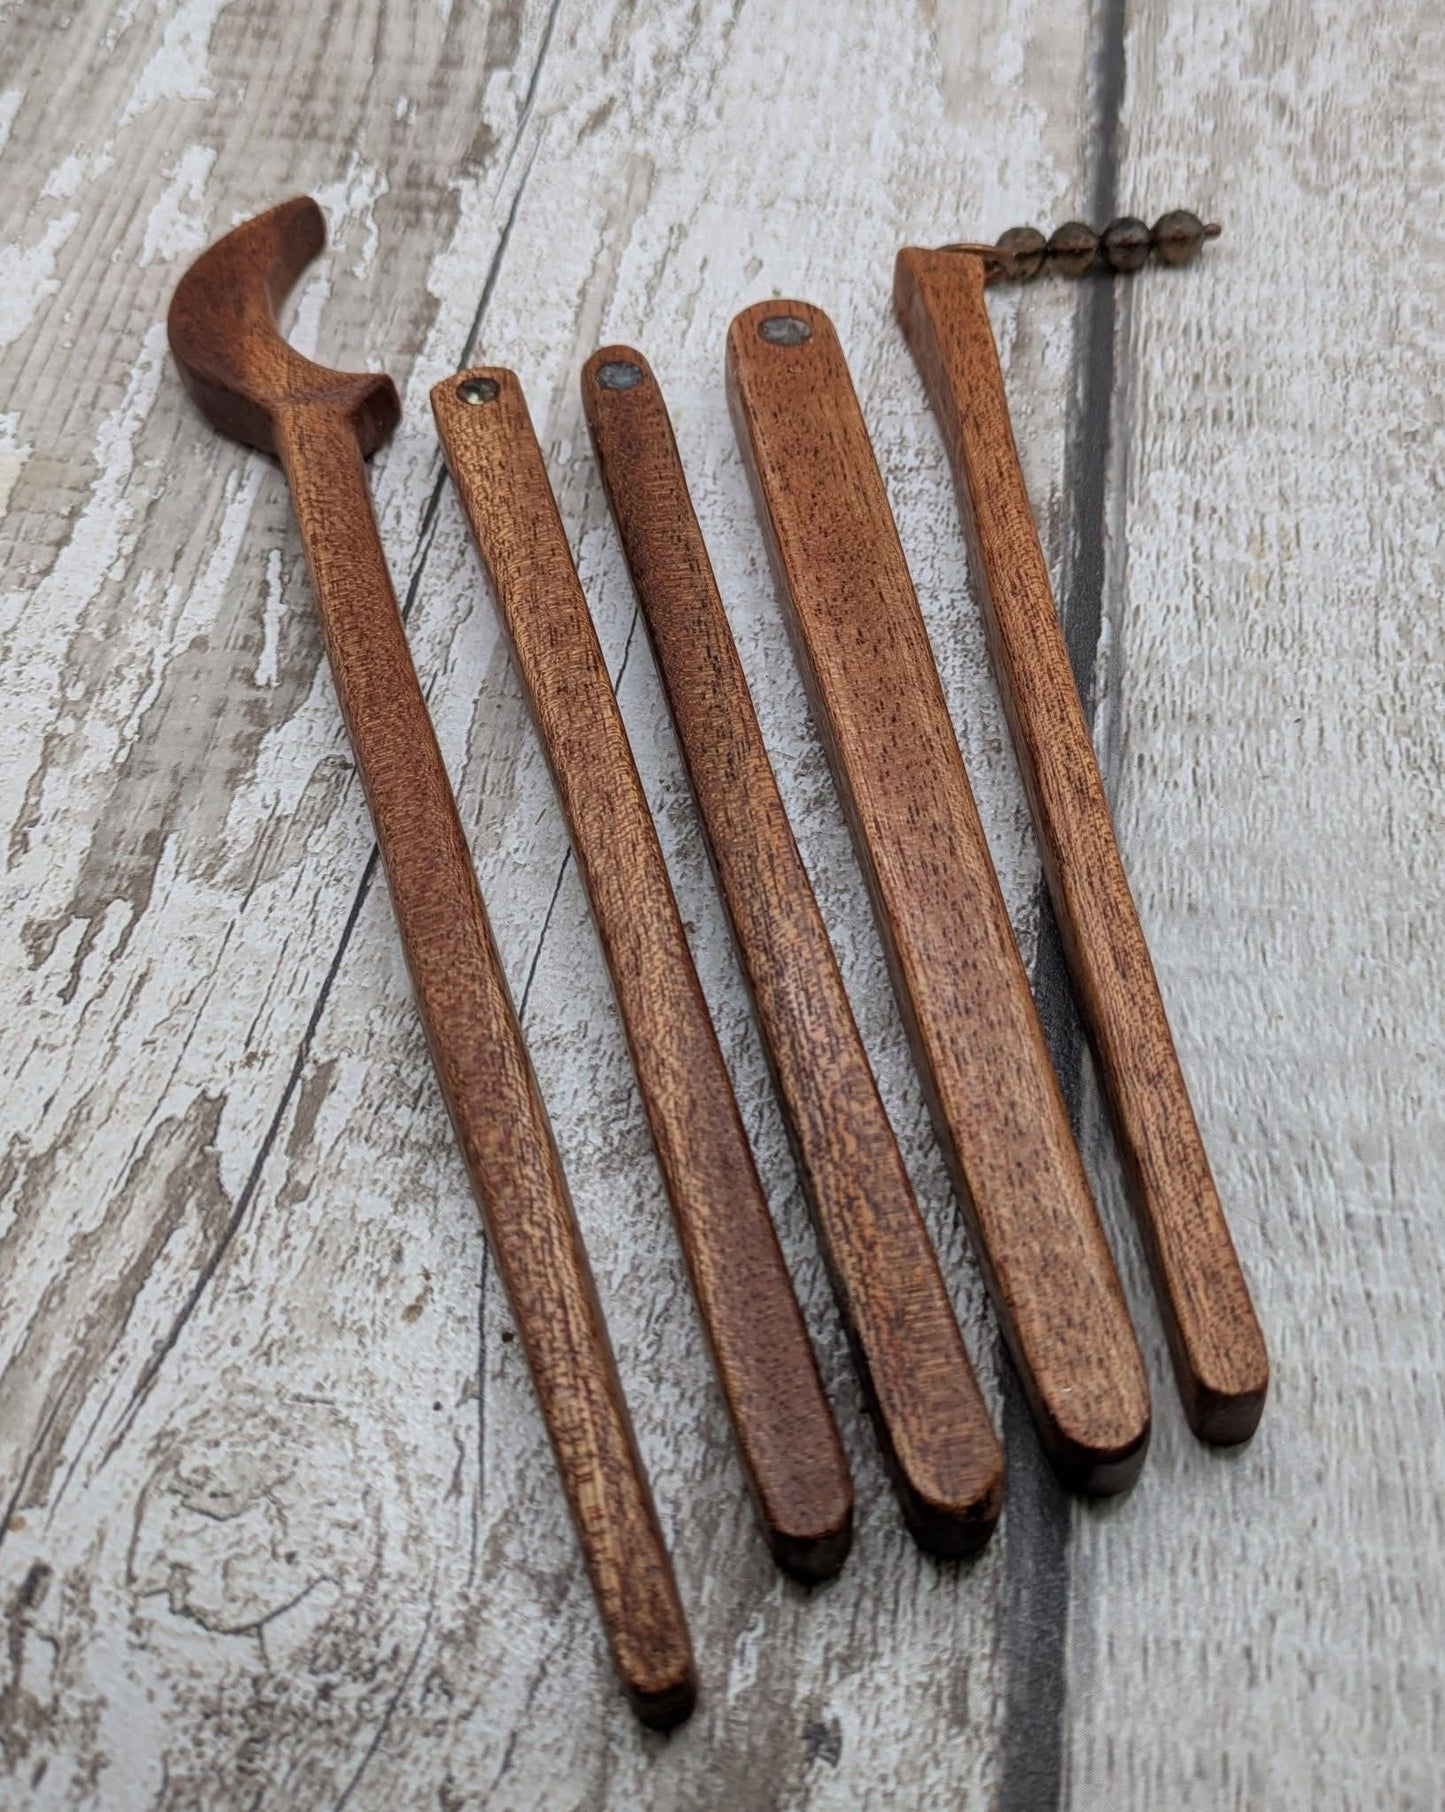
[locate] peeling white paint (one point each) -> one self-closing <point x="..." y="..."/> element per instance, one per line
<point x="162" y="646"/>
<point x="201" y="600"/>
<point x="27" y="277"/>
<point x="178" y="69"/>
<point x="64" y="180"/>
<point x="10" y="101"/>
<point x="353" y="197"/>
<point x="121" y="21"/>
<point x="97" y="540"/>
<point x="174" y="230"/>
<point x="13" y="456"/>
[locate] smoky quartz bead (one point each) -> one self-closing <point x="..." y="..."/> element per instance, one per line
<point x="1126" y="243"/>
<point x="1073" y="248"/>
<point x="1178" y="237"/>
<point x="1021" y="252"/>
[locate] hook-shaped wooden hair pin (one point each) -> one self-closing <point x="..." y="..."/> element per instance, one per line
<point x="252" y="386"/>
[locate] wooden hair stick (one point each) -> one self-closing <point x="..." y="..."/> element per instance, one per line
<point x="785" y="1431"/>
<point x="880" y="709"/>
<point x="932" y="1423"/>
<point x="1215" y="1340"/>
<point x="322" y="424"/>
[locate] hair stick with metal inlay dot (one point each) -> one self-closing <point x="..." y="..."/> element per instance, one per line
<point x="880" y="709"/>
<point x="789" y="1445"/>
<point x="932" y="1423"/>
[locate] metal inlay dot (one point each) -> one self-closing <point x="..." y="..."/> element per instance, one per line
<point x="784" y="330"/>
<point x="619" y="374"/>
<point x="479" y="390"/>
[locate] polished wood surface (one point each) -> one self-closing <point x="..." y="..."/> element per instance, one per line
<point x="765" y="1365"/>
<point x="254" y="387"/>
<point x="961" y="986"/>
<point x="932" y="1424"/>
<point x="1214" y="1337"/>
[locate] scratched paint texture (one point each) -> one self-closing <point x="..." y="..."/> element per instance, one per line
<point x="1264" y="1629"/>
<point x="280" y="1526"/>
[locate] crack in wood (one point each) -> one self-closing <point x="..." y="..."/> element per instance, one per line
<point x="379" y="1734"/>
<point x="233" y="1224"/>
<point x="1033" y="1774"/>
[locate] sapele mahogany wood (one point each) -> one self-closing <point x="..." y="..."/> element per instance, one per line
<point x="321" y="423"/>
<point x="1218" y="1349"/>
<point x="932" y="1423"/>
<point x="789" y="1445"/>
<point x="880" y="709"/>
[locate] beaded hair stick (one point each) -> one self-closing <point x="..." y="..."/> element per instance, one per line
<point x="1073" y="250"/>
<point x="1215" y="1340"/>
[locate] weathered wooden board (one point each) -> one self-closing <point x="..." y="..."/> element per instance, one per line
<point x="281" y="1526"/>
<point x="1265" y="1629"/>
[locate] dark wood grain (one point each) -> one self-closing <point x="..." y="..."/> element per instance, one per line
<point x="765" y="1364"/>
<point x="932" y="1423"/>
<point x="1215" y="1339"/>
<point x="960" y="983"/>
<point x="321" y="423"/>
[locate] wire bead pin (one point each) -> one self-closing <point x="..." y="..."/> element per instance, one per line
<point x="1215" y="1340"/>
<point x="1075" y="249"/>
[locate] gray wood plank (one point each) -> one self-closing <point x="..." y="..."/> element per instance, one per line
<point x="1264" y="1629"/>
<point x="283" y="1527"/>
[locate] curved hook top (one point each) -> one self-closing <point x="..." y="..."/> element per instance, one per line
<point x="232" y="358"/>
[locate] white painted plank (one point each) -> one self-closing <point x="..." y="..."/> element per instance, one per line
<point x="1266" y="1629"/>
<point x="300" y="1548"/>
